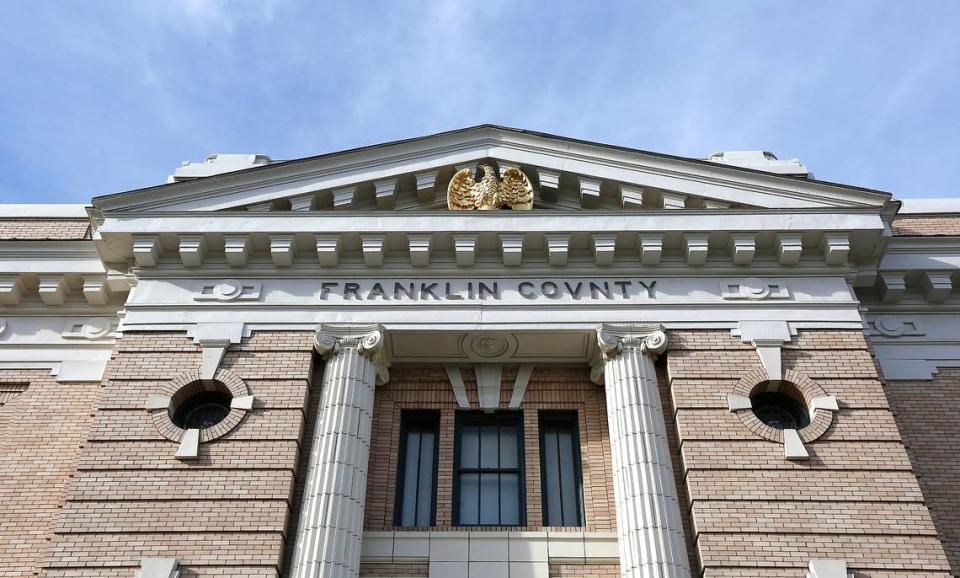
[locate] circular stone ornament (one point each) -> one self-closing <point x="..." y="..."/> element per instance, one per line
<point x="227" y="290"/>
<point x="489" y="345"/>
<point x="784" y="404"/>
<point x="209" y="405"/>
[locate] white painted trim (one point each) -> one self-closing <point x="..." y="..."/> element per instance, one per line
<point x="38" y="211"/>
<point x="934" y="205"/>
<point x="456" y="383"/>
<point x="793" y="448"/>
<point x="579" y="158"/>
<point x="655" y="220"/>
<point x="513" y="547"/>
<point x="520" y="385"/>
<point x="488" y="384"/>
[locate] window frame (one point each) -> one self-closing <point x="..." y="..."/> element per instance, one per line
<point x="407" y="419"/>
<point x="569" y="417"/>
<point x="480" y="418"/>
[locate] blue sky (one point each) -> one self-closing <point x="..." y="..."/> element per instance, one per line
<point x="100" y="97"/>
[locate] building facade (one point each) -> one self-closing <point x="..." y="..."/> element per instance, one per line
<point x="653" y="366"/>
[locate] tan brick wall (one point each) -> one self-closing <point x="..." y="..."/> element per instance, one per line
<point x="926" y="225"/>
<point x="927" y="415"/>
<point x="549" y="388"/>
<point x="756" y="514"/>
<point x="224" y="514"/>
<point x="42" y="430"/>
<point x="413" y="570"/>
<point x="584" y="570"/>
<point x="44" y="229"/>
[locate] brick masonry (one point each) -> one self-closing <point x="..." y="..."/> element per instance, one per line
<point x="926" y="225"/>
<point x="756" y="514"/>
<point x="926" y="414"/>
<point x="549" y="388"/>
<point x="95" y="488"/>
<point x="225" y="514"/>
<point x="42" y="432"/>
<point x="44" y="229"/>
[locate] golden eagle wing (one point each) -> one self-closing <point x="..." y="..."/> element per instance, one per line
<point x="516" y="190"/>
<point x="460" y="192"/>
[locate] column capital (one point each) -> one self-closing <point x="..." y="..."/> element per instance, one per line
<point x="614" y="338"/>
<point x="367" y="340"/>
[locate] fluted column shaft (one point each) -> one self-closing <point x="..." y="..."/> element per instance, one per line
<point x="331" y="518"/>
<point x="649" y="526"/>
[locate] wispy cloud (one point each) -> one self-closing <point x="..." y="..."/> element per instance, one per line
<point x="105" y="96"/>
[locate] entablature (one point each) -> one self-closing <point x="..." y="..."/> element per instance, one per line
<point x="736" y="239"/>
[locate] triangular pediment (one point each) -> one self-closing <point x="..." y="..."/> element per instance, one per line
<point x="567" y="174"/>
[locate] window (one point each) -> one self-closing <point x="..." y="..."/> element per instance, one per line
<point x="560" y="469"/>
<point x="488" y="486"/>
<point x="417" y="476"/>
<point x="779" y="409"/>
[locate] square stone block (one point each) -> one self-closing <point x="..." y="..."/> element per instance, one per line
<point x="490" y="569"/>
<point x="528" y="547"/>
<point x="448" y="569"/>
<point x="601" y="546"/>
<point x="529" y="570"/>
<point x="377" y="546"/>
<point x="411" y="545"/>
<point x="449" y="547"/>
<point x="565" y="545"/>
<point x="488" y="547"/>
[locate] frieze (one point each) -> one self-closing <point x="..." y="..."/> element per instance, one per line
<point x="493" y="291"/>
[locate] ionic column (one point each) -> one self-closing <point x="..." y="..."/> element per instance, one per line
<point x="331" y="519"/>
<point x="648" y="511"/>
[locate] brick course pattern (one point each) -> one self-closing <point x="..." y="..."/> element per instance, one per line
<point x="224" y="514"/>
<point x="549" y="388"/>
<point x="44" y="229"/>
<point x="756" y="514"/>
<point x="42" y="430"/>
<point x="926" y="225"/>
<point x="926" y="413"/>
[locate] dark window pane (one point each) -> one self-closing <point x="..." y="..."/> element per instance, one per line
<point x="488" y="476"/>
<point x="425" y="479"/>
<point x="510" y="499"/>
<point x="416" y="469"/>
<point x="489" y="499"/>
<point x="469" y="498"/>
<point x="489" y="447"/>
<point x="408" y="509"/>
<point x="470" y="447"/>
<point x="551" y="476"/>
<point x="568" y="479"/>
<point x="561" y="476"/>
<point x="508" y="447"/>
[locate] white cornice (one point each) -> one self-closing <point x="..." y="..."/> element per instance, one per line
<point x="847" y="219"/>
<point x="930" y="206"/>
<point x="449" y="149"/>
<point x="50" y="257"/>
<point x="53" y="211"/>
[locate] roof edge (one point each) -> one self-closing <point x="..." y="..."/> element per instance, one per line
<point x="286" y="163"/>
<point x="44" y="211"/>
<point x="930" y="206"/>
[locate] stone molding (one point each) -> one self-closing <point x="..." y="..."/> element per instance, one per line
<point x="613" y="339"/>
<point x="367" y="340"/>
<point x="159" y="402"/>
<point x="815" y="398"/>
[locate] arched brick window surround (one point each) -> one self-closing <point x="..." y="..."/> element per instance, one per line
<point x="186" y="385"/>
<point x="794" y="383"/>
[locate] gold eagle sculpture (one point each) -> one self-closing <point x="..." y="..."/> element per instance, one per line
<point x="513" y="190"/>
